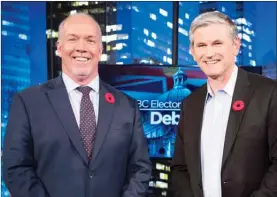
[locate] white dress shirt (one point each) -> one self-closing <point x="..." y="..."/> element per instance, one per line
<point x="215" y="120"/>
<point x="75" y="96"/>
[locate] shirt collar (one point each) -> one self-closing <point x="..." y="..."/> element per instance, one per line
<point x="229" y="87"/>
<point x="72" y="85"/>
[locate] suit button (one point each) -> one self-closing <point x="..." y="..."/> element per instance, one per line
<point x="225" y="182"/>
<point x="91" y="175"/>
<point x="200" y="185"/>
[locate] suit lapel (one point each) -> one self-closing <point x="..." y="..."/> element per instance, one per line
<point x="59" y="100"/>
<point x="243" y="92"/>
<point x="196" y="119"/>
<point x="105" y="114"/>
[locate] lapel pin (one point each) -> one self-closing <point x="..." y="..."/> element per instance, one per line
<point x="238" y="105"/>
<point x="109" y="98"/>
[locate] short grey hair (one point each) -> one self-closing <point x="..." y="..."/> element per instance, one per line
<point x="78" y="14"/>
<point x="208" y="18"/>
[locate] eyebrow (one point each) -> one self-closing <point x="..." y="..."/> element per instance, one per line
<point x="91" y="37"/>
<point x="198" y="43"/>
<point x="217" y="41"/>
<point x="74" y="35"/>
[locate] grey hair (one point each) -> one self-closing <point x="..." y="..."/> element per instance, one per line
<point x="208" y="18"/>
<point x="78" y="14"/>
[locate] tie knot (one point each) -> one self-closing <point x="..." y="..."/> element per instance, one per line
<point x="84" y="89"/>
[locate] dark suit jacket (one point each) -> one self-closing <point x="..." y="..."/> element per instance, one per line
<point x="44" y="155"/>
<point x="249" y="165"/>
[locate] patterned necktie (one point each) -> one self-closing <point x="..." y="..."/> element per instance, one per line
<point x="87" y="120"/>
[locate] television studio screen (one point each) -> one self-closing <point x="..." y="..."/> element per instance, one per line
<point x="159" y="91"/>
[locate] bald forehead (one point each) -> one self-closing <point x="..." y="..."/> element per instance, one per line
<point x="79" y="19"/>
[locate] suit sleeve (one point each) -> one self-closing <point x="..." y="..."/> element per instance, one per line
<point x="180" y="177"/>
<point x="268" y="187"/>
<point x="18" y="157"/>
<point x="139" y="165"/>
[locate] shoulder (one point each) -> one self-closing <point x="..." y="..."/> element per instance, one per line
<point x="34" y="89"/>
<point x="264" y="89"/>
<point x="39" y="90"/>
<point x="260" y="82"/>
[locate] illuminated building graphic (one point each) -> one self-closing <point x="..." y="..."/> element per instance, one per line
<point x="23" y="55"/>
<point x="148" y="31"/>
<point x="187" y="12"/>
<point x="15" y="58"/>
<point x="132" y="32"/>
<point x="15" y="37"/>
<point x="160" y="183"/>
<point x="179" y="90"/>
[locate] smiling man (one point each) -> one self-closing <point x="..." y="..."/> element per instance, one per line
<point x="65" y="138"/>
<point x="80" y="48"/>
<point x="226" y="145"/>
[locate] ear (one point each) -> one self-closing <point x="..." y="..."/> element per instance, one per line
<point x="192" y="52"/>
<point x="58" y="45"/>
<point x="101" y="50"/>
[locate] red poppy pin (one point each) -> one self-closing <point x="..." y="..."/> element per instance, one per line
<point x="109" y="98"/>
<point x="238" y="105"/>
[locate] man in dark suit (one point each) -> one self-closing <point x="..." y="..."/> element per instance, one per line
<point x="76" y="136"/>
<point x="226" y="144"/>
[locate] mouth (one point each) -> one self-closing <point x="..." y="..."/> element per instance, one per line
<point x="212" y="62"/>
<point x="81" y="59"/>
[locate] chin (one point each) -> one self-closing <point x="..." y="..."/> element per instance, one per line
<point x="81" y="72"/>
<point x="82" y="75"/>
<point x="213" y="75"/>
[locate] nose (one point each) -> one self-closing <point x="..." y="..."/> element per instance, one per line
<point x="81" y="46"/>
<point x="210" y="52"/>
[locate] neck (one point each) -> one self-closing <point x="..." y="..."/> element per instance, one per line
<point x="220" y="82"/>
<point x="83" y="81"/>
